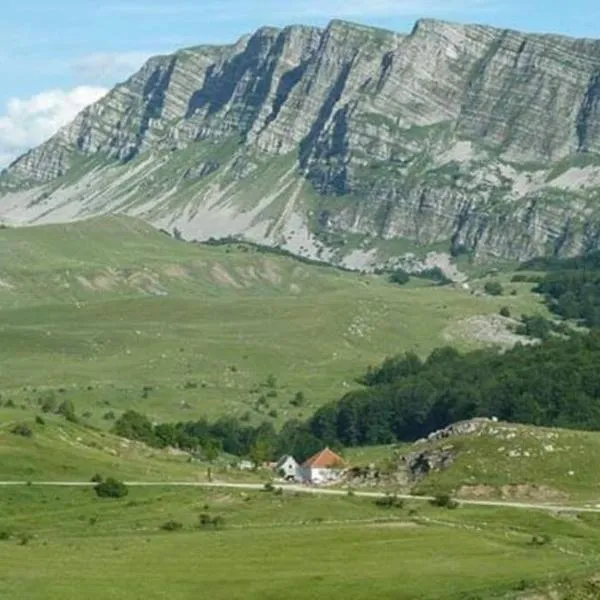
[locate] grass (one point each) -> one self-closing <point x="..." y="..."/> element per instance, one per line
<point x="111" y="314"/>
<point x="273" y="546"/>
<point x="505" y="461"/>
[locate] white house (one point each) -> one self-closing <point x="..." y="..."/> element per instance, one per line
<point x="288" y="468"/>
<point x="324" y="466"/>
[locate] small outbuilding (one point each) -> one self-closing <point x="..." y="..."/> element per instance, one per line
<point x="323" y="467"/>
<point x="288" y="468"/>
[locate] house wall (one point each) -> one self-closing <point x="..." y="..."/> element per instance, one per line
<point x="320" y="475"/>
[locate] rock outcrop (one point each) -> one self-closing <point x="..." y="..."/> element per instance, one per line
<point x="349" y="144"/>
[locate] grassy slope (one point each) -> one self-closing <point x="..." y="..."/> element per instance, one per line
<point x="103" y="308"/>
<point x="63" y="451"/>
<point x="510" y="462"/>
<point x="115" y="549"/>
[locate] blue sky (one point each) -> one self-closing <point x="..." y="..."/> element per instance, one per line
<point x="57" y="56"/>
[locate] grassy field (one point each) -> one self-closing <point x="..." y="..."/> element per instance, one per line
<point x="110" y="313"/>
<point x="68" y="543"/>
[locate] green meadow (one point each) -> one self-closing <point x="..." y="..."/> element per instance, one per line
<point x="111" y="314"/>
<point x="66" y="544"/>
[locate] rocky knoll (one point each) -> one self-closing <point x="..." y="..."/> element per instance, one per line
<point x="350" y="144"/>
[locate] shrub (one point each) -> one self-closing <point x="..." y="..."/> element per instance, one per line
<point x="444" y="500"/>
<point x="67" y="410"/>
<point x="298" y="399"/>
<point x="540" y="540"/>
<point x="109" y="416"/>
<point x="40" y="420"/>
<point x="505" y="312"/>
<point x="97" y="478"/>
<point x="24" y="539"/>
<point x="208" y="522"/>
<point x="493" y="288"/>
<point x="9" y="403"/>
<point x="399" y="277"/>
<point x="111" y="488"/>
<point x="390" y="501"/>
<point x="5" y="535"/>
<point x="273" y="413"/>
<point x="172" y="526"/>
<point x="268" y="487"/>
<point x="22" y="430"/>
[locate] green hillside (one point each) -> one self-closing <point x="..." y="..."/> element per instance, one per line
<point x="497" y="461"/>
<point x="110" y="313"/>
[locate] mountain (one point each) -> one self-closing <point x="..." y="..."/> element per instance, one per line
<point x="349" y="144"/>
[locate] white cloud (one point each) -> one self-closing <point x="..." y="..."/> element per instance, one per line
<point x="110" y="65"/>
<point x="28" y="122"/>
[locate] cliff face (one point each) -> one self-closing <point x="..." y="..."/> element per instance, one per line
<point x="349" y="143"/>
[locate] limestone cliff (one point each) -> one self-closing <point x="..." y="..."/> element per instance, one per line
<point x="350" y="143"/>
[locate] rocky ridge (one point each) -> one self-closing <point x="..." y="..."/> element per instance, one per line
<point x="349" y="144"/>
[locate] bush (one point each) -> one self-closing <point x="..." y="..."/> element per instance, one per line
<point x="298" y="400"/>
<point x="111" y="488"/>
<point x="444" y="500"/>
<point x="399" y="277"/>
<point x="390" y="501"/>
<point x="24" y="539"/>
<point x="97" y="478"/>
<point x="268" y="487"/>
<point x="172" y="526"/>
<point x="22" y="430"/>
<point x="540" y="540"/>
<point x="208" y="522"/>
<point x="505" y="312"/>
<point x="5" y="535"/>
<point x="109" y="416"/>
<point x="493" y="288"/>
<point x="40" y="420"/>
<point x="67" y="410"/>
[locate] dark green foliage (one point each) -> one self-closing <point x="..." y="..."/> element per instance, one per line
<point x="556" y="383"/>
<point x="540" y="540"/>
<point x="40" y="420"/>
<point x="5" y="535"/>
<point x="444" y="500"/>
<point x="109" y="416"/>
<point x="536" y="326"/>
<point x="208" y="522"/>
<point x="135" y="426"/>
<point x="49" y="404"/>
<point x="111" y="488"/>
<point x="268" y="487"/>
<point x="172" y="526"/>
<point x="24" y="539"/>
<point x="505" y="312"/>
<point x="399" y="276"/>
<point x="493" y="288"/>
<point x="389" y="501"/>
<point x="434" y="274"/>
<point x="22" y="430"/>
<point x="67" y="410"/>
<point x="97" y="478"/>
<point x="298" y="400"/>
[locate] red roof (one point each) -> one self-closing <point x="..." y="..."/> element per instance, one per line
<point x="324" y="459"/>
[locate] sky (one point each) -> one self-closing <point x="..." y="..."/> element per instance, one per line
<point x="57" y="57"/>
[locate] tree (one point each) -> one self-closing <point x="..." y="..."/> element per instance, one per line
<point x="135" y="426"/>
<point x="111" y="488"/>
<point x="505" y="312"/>
<point x="260" y="451"/>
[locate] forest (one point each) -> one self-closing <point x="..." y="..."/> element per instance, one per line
<point x="571" y="286"/>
